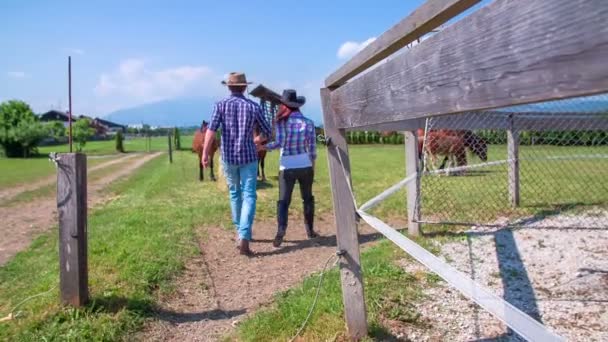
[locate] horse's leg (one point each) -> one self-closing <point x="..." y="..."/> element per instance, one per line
<point x="259" y="161"/>
<point x="262" y="165"/>
<point x="201" y="175"/>
<point x="445" y="160"/>
<point x="211" y="168"/>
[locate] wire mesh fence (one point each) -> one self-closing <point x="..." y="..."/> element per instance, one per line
<point x="543" y="164"/>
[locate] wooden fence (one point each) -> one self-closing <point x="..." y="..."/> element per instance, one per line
<point x="507" y="53"/>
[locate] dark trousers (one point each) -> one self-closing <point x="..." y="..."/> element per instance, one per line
<point x="287" y="181"/>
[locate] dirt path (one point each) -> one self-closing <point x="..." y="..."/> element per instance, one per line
<point x="219" y="287"/>
<point x="10" y="193"/>
<point x="21" y="224"/>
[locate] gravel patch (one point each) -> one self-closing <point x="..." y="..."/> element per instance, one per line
<point x="557" y="276"/>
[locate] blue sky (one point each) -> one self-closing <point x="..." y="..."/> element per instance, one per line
<point x="128" y="53"/>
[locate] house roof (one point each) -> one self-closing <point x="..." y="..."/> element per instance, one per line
<point x="109" y="123"/>
<point x="54" y="115"/>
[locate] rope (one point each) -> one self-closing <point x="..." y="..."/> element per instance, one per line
<point x="12" y="314"/>
<point x="314" y="303"/>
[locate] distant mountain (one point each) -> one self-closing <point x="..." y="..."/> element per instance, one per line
<point x="179" y="112"/>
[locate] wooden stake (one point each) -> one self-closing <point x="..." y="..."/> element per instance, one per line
<point x="170" y="149"/>
<point x="72" y="210"/>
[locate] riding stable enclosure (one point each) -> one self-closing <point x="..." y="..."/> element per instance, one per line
<point x="460" y="188"/>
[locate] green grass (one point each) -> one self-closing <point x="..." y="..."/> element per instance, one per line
<point x="20" y="171"/>
<point x="17" y="171"/>
<point x="141" y="239"/>
<point x="130" y="145"/>
<point x="389" y="294"/>
<point x="48" y="190"/>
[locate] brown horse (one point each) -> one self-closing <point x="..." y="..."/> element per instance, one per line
<point x="197" y="147"/>
<point x="261" y="153"/>
<point x="452" y="144"/>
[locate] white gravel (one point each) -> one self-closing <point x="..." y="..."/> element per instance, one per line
<point x="559" y="276"/>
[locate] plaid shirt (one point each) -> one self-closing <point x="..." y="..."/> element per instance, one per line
<point x="237" y="116"/>
<point x="295" y="135"/>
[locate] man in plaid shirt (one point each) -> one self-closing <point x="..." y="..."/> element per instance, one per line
<point x="236" y="116"/>
<point x="295" y="136"/>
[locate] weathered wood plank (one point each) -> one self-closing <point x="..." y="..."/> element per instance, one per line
<point x="346" y="225"/>
<point x="72" y="211"/>
<point x="423" y="20"/>
<point x="412" y="166"/>
<point x="513" y="157"/>
<point x="509" y="52"/>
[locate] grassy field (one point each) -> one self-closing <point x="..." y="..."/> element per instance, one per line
<point x="130" y="145"/>
<point x="17" y="171"/>
<point x="142" y="238"/>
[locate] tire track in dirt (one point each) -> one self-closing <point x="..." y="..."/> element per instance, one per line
<point x="11" y="192"/>
<point x="22" y="223"/>
<point x="219" y="287"/>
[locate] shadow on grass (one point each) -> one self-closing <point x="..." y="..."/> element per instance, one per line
<point x="186" y="317"/>
<point x="322" y="241"/>
<point x="263" y="185"/>
<point x="146" y="308"/>
<point x="114" y="304"/>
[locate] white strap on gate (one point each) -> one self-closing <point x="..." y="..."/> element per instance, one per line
<point x="521" y="323"/>
<point x="386" y="193"/>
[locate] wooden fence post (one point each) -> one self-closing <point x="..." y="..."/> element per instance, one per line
<point x="346" y="224"/>
<point x="72" y="210"/>
<point x="513" y="157"/>
<point x="170" y="149"/>
<point x="412" y="166"/>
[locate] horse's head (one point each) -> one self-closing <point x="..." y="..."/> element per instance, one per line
<point x="204" y="126"/>
<point x="476" y="144"/>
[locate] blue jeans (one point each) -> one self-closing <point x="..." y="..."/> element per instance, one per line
<point x="242" y="182"/>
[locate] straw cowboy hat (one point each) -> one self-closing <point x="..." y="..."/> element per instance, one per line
<point x="291" y="99"/>
<point x="236" y="79"/>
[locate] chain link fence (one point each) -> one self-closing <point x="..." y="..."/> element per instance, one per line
<point x="539" y="165"/>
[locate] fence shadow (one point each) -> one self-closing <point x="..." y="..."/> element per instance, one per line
<point x="323" y="241"/>
<point x="187" y="317"/>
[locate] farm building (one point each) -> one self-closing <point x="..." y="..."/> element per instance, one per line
<point x="102" y="127"/>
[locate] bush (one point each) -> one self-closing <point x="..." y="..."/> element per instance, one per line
<point x="20" y="130"/>
<point x="177" y="139"/>
<point x="81" y="132"/>
<point x="119" y="142"/>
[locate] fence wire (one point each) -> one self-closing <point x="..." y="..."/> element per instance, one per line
<point x="542" y="165"/>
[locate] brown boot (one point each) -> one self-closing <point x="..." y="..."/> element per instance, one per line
<point x="244" y="248"/>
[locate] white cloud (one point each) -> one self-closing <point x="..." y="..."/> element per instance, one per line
<point x="349" y="49"/>
<point x="135" y="80"/>
<point x="16" y="74"/>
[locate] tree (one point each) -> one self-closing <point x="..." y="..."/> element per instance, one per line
<point x="56" y="129"/>
<point x="119" y="142"/>
<point x="81" y="132"/>
<point x="20" y="130"/>
<point x="177" y="139"/>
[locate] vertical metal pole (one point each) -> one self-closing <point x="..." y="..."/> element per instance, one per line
<point x="70" y="99"/>
<point x="412" y="166"/>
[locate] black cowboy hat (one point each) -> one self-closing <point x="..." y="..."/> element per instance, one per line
<point x="291" y="99"/>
